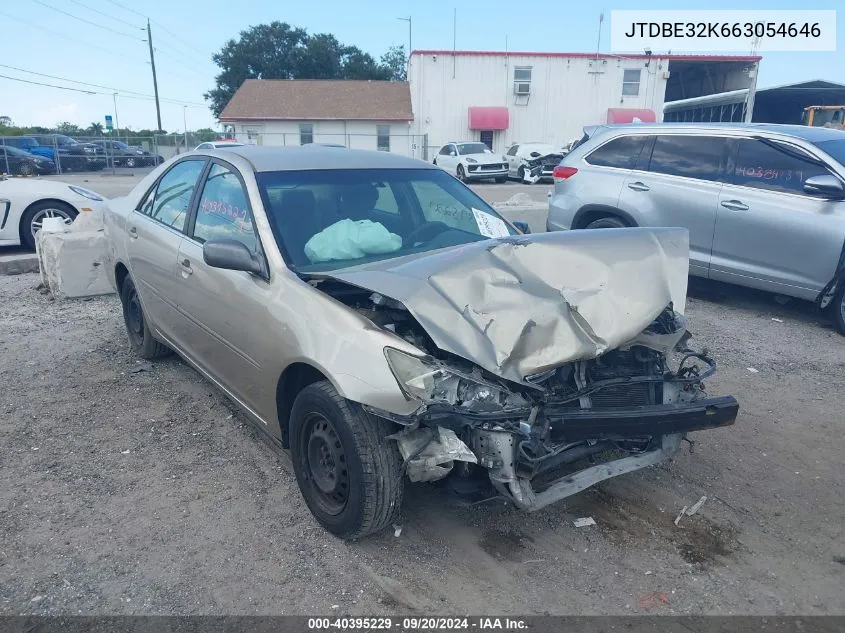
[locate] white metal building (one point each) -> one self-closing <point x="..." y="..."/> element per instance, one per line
<point x="502" y="98"/>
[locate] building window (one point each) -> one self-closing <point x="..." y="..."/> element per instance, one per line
<point x="383" y="138"/>
<point x="522" y="80"/>
<point x="631" y="83"/>
<point x="306" y="133"/>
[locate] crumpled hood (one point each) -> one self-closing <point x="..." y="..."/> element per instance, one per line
<point x="518" y="306"/>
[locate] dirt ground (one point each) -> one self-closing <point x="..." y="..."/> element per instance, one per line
<point x="135" y="489"/>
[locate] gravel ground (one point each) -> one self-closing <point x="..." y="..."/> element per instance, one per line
<point x="136" y="489"/>
<point x="130" y="488"/>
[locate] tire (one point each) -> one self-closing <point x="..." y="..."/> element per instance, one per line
<point x="35" y="215"/>
<point x="26" y="169"/>
<point x="366" y="496"/>
<point x="130" y="161"/>
<point x="837" y="308"/>
<point x="502" y="179"/>
<point x="461" y="174"/>
<point x="520" y="174"/>
<point x="610" y="222"/>
<point x="140" y="337"/>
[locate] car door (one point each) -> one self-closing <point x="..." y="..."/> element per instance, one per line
<point x="677" y="183"/>
<point x="154" y="231"/>
<point x="223" y="313"/>
<point x="447" y="158"/>
<point x="513" y="160"/>
<point x="770" y="233"/>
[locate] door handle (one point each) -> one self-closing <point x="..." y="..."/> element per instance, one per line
<point x="638" y="186"/>
<point x="133" y="233"/>
<point x="735" y="205"/>
<point x="186" y="266"/>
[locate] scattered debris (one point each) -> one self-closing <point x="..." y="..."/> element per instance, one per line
<point x="335" y="606"/>
<point x="37" y="599"/>
<point x="678" y="518"/>
<point x="752" y="370"/>
<point x="397" y="530"/>
<point x="777" y="320"/>
<point x="652" y="600"/>
<point x="695" y="508"/>
<point x="142" y="366"/>
<point x="584" y="522"/>
<point x="126" y="452"/>
<point x="649" y="573"/>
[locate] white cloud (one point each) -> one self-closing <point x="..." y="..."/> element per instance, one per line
<point x="55" y="114"/>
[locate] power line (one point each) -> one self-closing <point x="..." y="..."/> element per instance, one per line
<point x="120" y="91"/>
<point x="96" y="92"/>
<point x="74" y="40"/>
<point x="99" y="26"/>
<point x="106" y="15"/>
<point x="125" y="8"/>
<point x="193" y="64"/>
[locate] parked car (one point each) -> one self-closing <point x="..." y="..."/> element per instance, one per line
<point x="128" y="155"/>
<point x="764" y="204"/>
<point x="17" y="161"/>
<point x="27" y="144"/>
<point x="218" y="145"/>
<point x="73" y="155"/>
<point x="378" y="318"/>
<point x="532" y="162"/>
<point x="472" y="161"/>
<point x="25" y="203"/>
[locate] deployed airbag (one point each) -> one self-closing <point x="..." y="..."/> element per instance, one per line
<point x="351" y="239"/>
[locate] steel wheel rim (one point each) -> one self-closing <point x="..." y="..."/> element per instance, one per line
<point x="325" y="466"/>
<point x="135" y="318"/>
<point x="43" y="214"/>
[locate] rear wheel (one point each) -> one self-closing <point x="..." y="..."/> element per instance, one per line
<point x="606" y="223"/>
<point x="348" y="472"/>
<point x="140" y="337"/>
<point x="26" y="169"/>
<point x="35" y="215"/>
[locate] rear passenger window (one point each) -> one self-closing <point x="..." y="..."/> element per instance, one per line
<point x="168" y="202"/>
<point x="621" y="152"/>
<point x="223" y="210"/>
<point x="762" y="166"/>
<point x="689" y="156"/>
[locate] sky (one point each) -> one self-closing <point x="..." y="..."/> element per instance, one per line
<point x="102" y="42"/>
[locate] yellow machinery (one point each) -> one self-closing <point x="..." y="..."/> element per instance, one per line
<point x="824" y="116"/>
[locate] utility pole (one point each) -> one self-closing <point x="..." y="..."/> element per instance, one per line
<point x="408" y="20"/>
<point x="155" y="81"/>
<point x="116" y="122"/>
<point x="185" y="124"/>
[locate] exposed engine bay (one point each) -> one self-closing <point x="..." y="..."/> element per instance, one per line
<point x="537" y="167"/>
<point x="556" y="432"/>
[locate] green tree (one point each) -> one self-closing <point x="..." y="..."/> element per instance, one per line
<point x="395" y="62"/>
<point x="95" y="129"/>
<point x="205" y="134"/>
<point x="280" y="51"/>
<point x="71" y="129"/>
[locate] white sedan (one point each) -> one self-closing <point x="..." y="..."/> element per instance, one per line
<point x="218" y="145"/>
<point x="25" y="203"/>
<point x="532" y="162"/>
<point x="472" y="161"/>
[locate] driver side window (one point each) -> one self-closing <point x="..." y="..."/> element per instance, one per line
<point x="223" y="210"/>
<point x="513" y="150"/>
<point x="446" y="150"/>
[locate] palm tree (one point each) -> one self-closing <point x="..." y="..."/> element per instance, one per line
<point x="95" y="129"/>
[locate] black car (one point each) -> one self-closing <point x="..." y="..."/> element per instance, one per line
<point x="73" y="155"/>
<point x="125" y="155"/>
<point x="17" y="161"/>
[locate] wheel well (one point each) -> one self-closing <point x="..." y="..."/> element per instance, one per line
<point x="294" y="379"/>
<point x="120" y="273"/>
<point x="591" y="214"/>
<point x="43" y="200"/>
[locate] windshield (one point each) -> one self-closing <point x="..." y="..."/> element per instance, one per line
<point x="61" y="139"/>
<point x="835" y="148"/>
<point x="331" y="219"/>
<point x="472" y="148"/>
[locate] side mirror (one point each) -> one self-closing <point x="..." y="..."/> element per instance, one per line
<point x="825" y="185"/>
<point x="522" y="226"/>
<point x="453" y="153"/>
<point x="232" y="255"/>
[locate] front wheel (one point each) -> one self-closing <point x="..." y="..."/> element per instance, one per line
<point x="130" y="161"/>
<point x="26" y="169"/>
<point x="35" y="215"/>
<point x="837" y="308"/>
<point x="349" y="473"/>
<point x="462" y="176"/>
<point x="606" y="223"/>
<point x="140" y="337"/>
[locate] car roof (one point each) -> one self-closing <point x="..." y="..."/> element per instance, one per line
<point x="308" y="157"/>
<point x="812" y="134"/>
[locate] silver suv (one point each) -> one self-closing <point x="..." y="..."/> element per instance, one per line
<point x="764" y="204"/>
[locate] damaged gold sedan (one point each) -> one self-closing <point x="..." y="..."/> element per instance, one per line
<point x="376" y="317"/>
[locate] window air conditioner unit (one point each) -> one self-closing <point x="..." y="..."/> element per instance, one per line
<point x="521" y="88"/>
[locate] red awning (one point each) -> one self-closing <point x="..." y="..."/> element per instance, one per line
<point x="630" y="115"/>
<point x="489" y="118"/>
